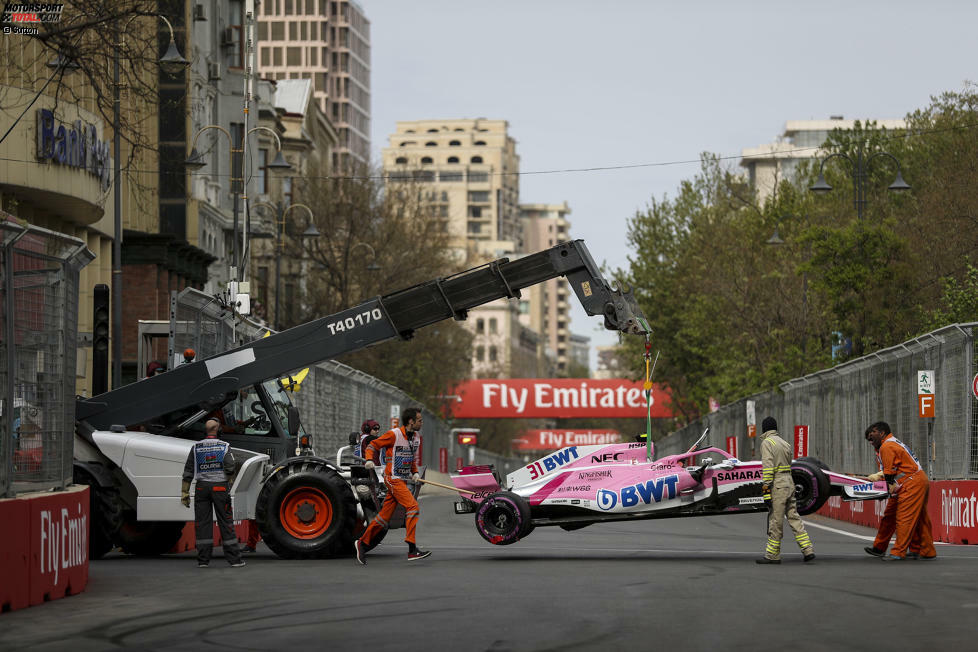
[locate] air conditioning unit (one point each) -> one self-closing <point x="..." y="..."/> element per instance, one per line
<point x="213" y="70"/>
<point x="227" y="37"/>
<point x="199" y="13"/>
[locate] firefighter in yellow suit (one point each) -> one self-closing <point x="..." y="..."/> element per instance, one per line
<point x="779" y="495"/>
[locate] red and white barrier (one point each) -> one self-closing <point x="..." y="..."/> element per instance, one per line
<point x="188" y="540"/>
<point x="46" y="557"/>
<point x="952" y="506"/>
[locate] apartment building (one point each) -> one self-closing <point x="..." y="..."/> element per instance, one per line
<point x="767" y="165"/>
<point x="471" y="173"/>
<point x="328" y="42"/>
<point x="546" y="307"/>
<point x="503" y="347"/>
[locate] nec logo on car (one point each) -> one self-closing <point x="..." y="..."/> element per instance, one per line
<point x="644" y="492"/>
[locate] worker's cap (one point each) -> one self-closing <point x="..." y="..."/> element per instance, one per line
<point x="369" y="425"/>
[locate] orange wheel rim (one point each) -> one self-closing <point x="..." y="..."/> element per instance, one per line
<point x="306" y="513"/>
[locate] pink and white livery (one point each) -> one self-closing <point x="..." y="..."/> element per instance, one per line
<point x="581" y="485"/>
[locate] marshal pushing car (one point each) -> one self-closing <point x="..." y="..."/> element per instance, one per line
<point x="578" y="486"/>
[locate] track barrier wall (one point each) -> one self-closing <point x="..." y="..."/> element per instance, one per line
<point x="837" y="405"/>
<point x="47" y="558"/>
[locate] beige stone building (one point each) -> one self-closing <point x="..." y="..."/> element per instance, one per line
<point x="546" y="307"/>
<point x="470" y="170"/>
<point x="503" y="347"/>
<point x="327" y="42"/>
<point x="770" y="164"/>
<point x="308" y="141"/>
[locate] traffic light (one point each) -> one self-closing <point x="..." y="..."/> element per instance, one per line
<point x="467" y="438"/>
<point x="100" y="340"/>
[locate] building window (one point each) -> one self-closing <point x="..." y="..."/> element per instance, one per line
<point x="476" y="159"/>
<point x="475" y="228"/>
<point x="493" y="326"/>
<point x="454" y="143"/>
<point x="401" y="160"/>
<point x="452" y="176"/>
<point x="480" y="326"/>
<point x="278" y="31"/>
<point x="293" y="56"/>
<point x="453" y="159"/>
<point x="406" y="143"/>
<point x="480" y="353"/>
<point x="478" y="177"/>
<point x="427" y="160"/>
<point x="431" y="143"/>
<point x="293" y="31"/>
<point x="479" y="195"/>
<point x="479" y="143"/>
<point x="304" y="31"/>
<point x="277" y="58"/>
<point x="263" y="171"/>
<point x="475" y="211"/>
<point x="312" y="56"/>
<point x="288" y="7"/>
<point x="262" y="31"/>
<point x="432" y="131"/>
<point x="493" y="354"/>
<point x="266" y="57"/>
<point x="233" y="34"/>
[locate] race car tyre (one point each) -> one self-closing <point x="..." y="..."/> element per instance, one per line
<point x="307" y="510"/>
<point x="811" y="486"/>
<point x="147" y="538"/>
<point x="814" y="460"/>
<point x="105" y="512"/>
<point x="503" y="518"/>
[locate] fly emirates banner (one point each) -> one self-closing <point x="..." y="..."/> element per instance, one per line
<point x="556" y="398"/>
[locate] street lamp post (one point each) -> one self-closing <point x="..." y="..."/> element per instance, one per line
<point x="311" y="231"/>
<point x="173" y="63"/>
<point x="196" y="161"/>
<point x="859" y="171"/>
<point x="372" y="266"/>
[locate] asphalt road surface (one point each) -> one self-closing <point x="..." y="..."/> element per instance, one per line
<point x="679" y="584"/>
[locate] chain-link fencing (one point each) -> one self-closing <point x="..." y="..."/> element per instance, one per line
<point x="333" y="399"/>
<point x="838" y="404"/>
<point x="38" y="355"/>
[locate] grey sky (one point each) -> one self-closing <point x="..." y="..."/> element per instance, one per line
<point x="604" y="83"/>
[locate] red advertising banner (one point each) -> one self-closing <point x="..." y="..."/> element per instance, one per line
<point x="443" y="460"/>
<point x="732" y="445"/>
<point x="556" y="397"/>
<point x="545" y="440"/>
<point x="801" y="441"/>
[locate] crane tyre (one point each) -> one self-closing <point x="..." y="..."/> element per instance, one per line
<point x="148" y="538"/>
<point x="812" y="486"/>
<point x="307" y="510"/>
<point x="105" y="514"/>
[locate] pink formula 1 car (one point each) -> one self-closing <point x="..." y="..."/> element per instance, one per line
<point x="581" y="485"/>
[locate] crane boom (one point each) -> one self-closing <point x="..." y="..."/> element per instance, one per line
<point x="207" y="383"/>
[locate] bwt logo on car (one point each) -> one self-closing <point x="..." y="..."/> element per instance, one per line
<point x="551" y="462"/>
<point x="646" y="492"/>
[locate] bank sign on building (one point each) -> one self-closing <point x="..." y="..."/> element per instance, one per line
<point x="74" y="145"/>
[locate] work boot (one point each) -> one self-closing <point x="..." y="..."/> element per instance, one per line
<point x="361" y="553"/>
<point x="876" y="552"/>
<point x="809" y="557"/>
<point x="765" y="560"/>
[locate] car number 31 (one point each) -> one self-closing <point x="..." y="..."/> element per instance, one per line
<point x="349" y="323"/>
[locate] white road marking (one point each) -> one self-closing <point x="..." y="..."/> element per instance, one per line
<point x="857" y="536"/>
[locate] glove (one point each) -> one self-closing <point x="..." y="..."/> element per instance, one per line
<point x="766" y="494"/>
<point x="185" y="494"/>
<point x="894" y="488"/>
<point x="416" y="476"/>
<point x="875" y="476"/>
<point x="369" y="465"/>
